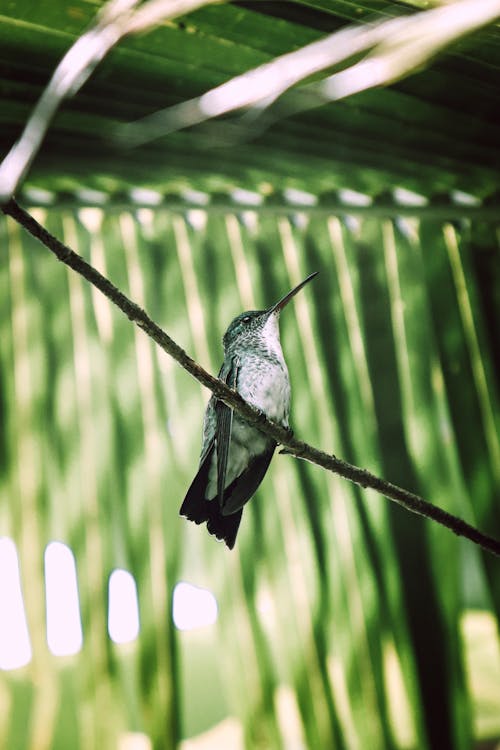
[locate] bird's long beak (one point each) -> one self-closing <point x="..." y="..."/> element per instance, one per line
<point x="278" y="307"/>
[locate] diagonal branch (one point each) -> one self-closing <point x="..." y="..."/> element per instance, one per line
<point x="291" y="445"/>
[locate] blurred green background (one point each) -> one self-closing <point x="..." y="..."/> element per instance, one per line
<point x="342" y="620"/>
<point x="339" y="620"/>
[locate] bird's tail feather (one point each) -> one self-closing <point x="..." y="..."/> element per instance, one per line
<point x="223" y="527"/>
<point x="198" y="509"/>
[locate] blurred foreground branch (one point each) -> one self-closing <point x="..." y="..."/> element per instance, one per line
<point x="390" y="49"/>
<point x="115" y="20"/>
<point x="291" y="445"/>
<point x="370" y="55"/>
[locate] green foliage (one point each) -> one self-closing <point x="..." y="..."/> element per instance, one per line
<point x="344" y="622"/>
<point x="340" y="616"/>
<point x="435" y="131"/>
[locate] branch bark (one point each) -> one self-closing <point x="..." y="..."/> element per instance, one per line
<point x="291" y="445"/>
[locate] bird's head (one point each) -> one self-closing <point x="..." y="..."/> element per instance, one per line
<point x="255" y="326"/>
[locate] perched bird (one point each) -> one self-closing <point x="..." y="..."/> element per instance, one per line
<point x="235" y="455"/>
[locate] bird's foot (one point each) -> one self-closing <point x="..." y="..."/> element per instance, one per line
<point x="289" y="436"/>
<point x="262" y="416"/>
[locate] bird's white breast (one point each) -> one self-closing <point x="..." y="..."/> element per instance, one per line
<point x="265" y="384"/>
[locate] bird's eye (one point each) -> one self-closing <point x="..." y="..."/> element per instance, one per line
<point x="246" y="319"/>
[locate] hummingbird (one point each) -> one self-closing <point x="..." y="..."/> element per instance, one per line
<point x="235" y="455"/>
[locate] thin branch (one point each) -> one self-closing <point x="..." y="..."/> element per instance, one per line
<point x="291" y="445"/>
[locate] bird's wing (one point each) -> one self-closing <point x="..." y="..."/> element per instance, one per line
<point x="195" y="507"/>
<point x="224" y="424"/>
<point x="244" y="486"/>
<point x="208" y="441"/>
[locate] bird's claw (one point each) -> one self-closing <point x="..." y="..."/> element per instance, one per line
<point x="261" y="415"/>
